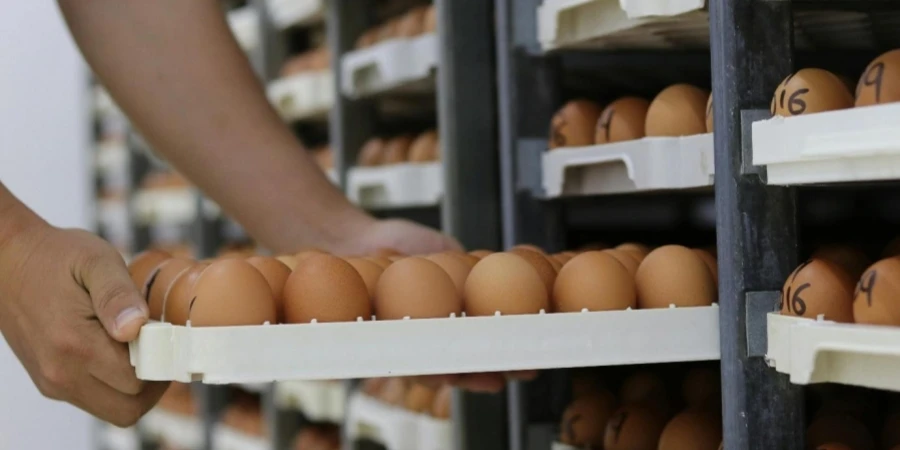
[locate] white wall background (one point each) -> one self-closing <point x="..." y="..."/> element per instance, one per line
<point x="44" y="137"/>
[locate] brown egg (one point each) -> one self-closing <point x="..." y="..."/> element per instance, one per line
<point x="564" y="257"/>
<point x="585" y="382"/>
<point x="710" y="126"/>
<point x="880" y="83"/>
<point x="540" y="264"/>
<point x="373" y="386"/>
<point x="442" y="401"/>
<point x="480" y="254"/>
<point x="388" y="252"/>
<point x="584" y="420"/>
<point x="412" y="23"/>
<point x="325" y="288"/>
<point x="455" y="267"/>
<point x="623" y="120"/>
<point x="160" y="282"/>
<point x="394" y="391"/>
<point x="877" y="294"/>
<point x="367" y="39"/>
<point x="557" y="266"/>
<point x="430" y="23"/>
<point x="370" y="273"/>
<point x="396" y="150"/>
<point x="679" y="110"/>
<point x="276" y="274"/>
<point x="852" y="259"/>
<point x="381" y="261"/>
<point x="630" y="260"/>
<point x="574" y="124"/>
<point x="595" y="281"/>
<point x="531" y="247"/>
<point x="178" y="297"/>
<point x="810" y="91"/>
<point x="288" y="260"/>
<point x="638" y="249"/>
<point x="144" y="265"/>
<point x="423" y="149"/>
<point x="303" y="255"/>
<point x="470" y="260"/>
<point x="388" y="30"/>
<point x="818" y="287"/>
<point x="633" y="427"/>
<point x="710" y="261"/>
<point x="702" y="388"/>
<point x="839" y="429"/>
<point x="371" y="153"/>
<point x="419" y="398"/>
<point x="692" y="430"/>
<point x="416" y="288"/>
<point x="505" y="283"/>
<point x="395" y="258"/>
<point x="646" y="388"/>
<point x="674" y="275"/>
<point x="231" y="292"/>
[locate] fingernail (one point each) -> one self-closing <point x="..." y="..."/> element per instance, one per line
<point x="129" y="315"/>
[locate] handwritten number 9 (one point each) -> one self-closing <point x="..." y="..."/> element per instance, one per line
<point x="873" y="77"/>
<point x="866" y="284"/>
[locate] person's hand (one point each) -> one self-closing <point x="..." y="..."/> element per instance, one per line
<point x="67" y="308"/>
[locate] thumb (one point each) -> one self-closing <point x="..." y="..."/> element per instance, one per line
<point x="116" y="300"/>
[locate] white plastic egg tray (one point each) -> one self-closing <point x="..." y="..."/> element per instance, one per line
<point x="396" y="186"/>
<point x="647" y="164"/>
<point x="394" y="65"/>
<point x="561" y="446"/>
<point x="245" y="25"/>
<point x="394" y="427"/>
<point x="103" y="103"/>
<point x="623" y="24"/>
<point x="318" y="401"/>
<point x="369" y="349"/>
<point x="115" y="438"/>
<point x="226" y="438"/>
<point x="859" y="144"/>
<point x="333" y="176"/>
<point x="305" y="96"/>
<point x="170" y="206"/>
<point x="288" y="13"/>
<point x="817" y="351"/>
<point x="174" y="429"/>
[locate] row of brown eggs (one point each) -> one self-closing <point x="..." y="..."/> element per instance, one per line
<point x="315" y="60"/>
<point x="317" y="437"/>
<point x="847" y="418"/>
<point x="410" y="395"/>
<point x="841" y="284"/>
<point x="244" y="415"/>
<point x="417" y="21"/>
<point x="400" y="149"/>
<point x="678" y="110"/>
<point x="812" y="90"/>
<point x="178" y="400"/>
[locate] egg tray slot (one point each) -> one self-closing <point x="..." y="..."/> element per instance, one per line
<point x="371" y="349"/>
<point x="289" y="13"/>
<point x="817" y="351"/>
<point x="623" y="24"/>
<point x="226" y="438"/>
<point x="305" y="96"/>
<point x="394" y="427"/>
<point x="318" y="401"/>
<point x="396" y="186"/>
<point x="175" y="429"/>
<point x="858" y="144"/>
<point x="397" y="65"/>
<point x="648" y="164"/>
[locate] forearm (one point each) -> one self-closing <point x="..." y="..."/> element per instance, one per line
<point x="175" y="69"/>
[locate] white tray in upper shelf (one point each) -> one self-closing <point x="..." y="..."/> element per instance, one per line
<point x="396" y="186"/>
<point x="394" y="427"/>
<point x="170" y="206"/>
<point x="115" y="438"/>
<point x="305" y="96"/>
<point x="174" y="429"/>
<point x="817" y="351"/>
<point x="318" y="401"/>
<point x="244" y="24"/>
<point x="859" y="144"/>
<point x="648" y="164"/>
<point x="226" y="438"/>
<point x="394" y="65"/>
<point x="623" y="24"/>
<point x="366" y="349"/>
<point x="288" y="13"/>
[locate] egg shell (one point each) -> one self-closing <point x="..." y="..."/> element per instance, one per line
<point x="455" y="267"/>
<point x="367" y="39"/>
<point x="818" y="287"/>
<point x="692" y="430"/>
<point x="388" y="252"/>
<point x="419" y="398"/>
<point x="288" y="260"/>
<point x="370" y="273"/>
<point x="584" y="420"/>
<point x="308" y="253"/>
<point x="470" y="260"/>
<point x="160" y="282"/>
<point x="840" y="429"/>
<point x="430" y="24"/>
<point x="412" y="23"/>
<point x="852" y="259"/>
<point x="373" y="386"/>
<point x="633" y="427"/>
<point x="541" y="265"/>
<point x="416" y="288"/>
<point x="371" y="153"/>
<point x="394" y="391"/>
<point x="877" y="294"/>
<point x="276" y="274"/>
<point x="636" y="248"/>
<point x="505" y="283"/>
<point x="622" y="120"/>
<point x="530" y="247"/>
<point x="481" y="254"/>
<point x="325" y="288"/>
<point x="585" y="382"/>
<point x="380" y="260"/>
<point x="648" y="389"/>
<point x="396" y="258"/>
<point x="674" y="275"/>
<point x="440" y="408"/>
<point x="564" y="257"/>
<point x="880" y="83"/>
<point x="710" y="261"/>
<point x="423" y="149"/>
<point x="388" y="30"/>
<point x="630" y="260"/>
<point x="710" y="123"/>
<point x="679" y="110"/>
<point x="144" y="265"/>
<point x="396" y="150"/>
<point x="557" y="266"/>
<point x="178" y="298"/>
<point x="573" y="125"/>
<point x="231" y="292"/>
<point x="810" y="91"/>
<point x="595" y="281"/>
<point x="702" y="388"/>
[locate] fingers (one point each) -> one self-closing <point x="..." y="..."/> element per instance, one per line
<point x="115" y="407"/>
<point x="111" y="364"/>
<point x="116" y="300"/>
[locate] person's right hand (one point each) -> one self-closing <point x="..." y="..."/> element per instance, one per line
<point x="67" y="308"/>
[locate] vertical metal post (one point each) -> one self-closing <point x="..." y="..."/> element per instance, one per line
<point x="751" y="45"/>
